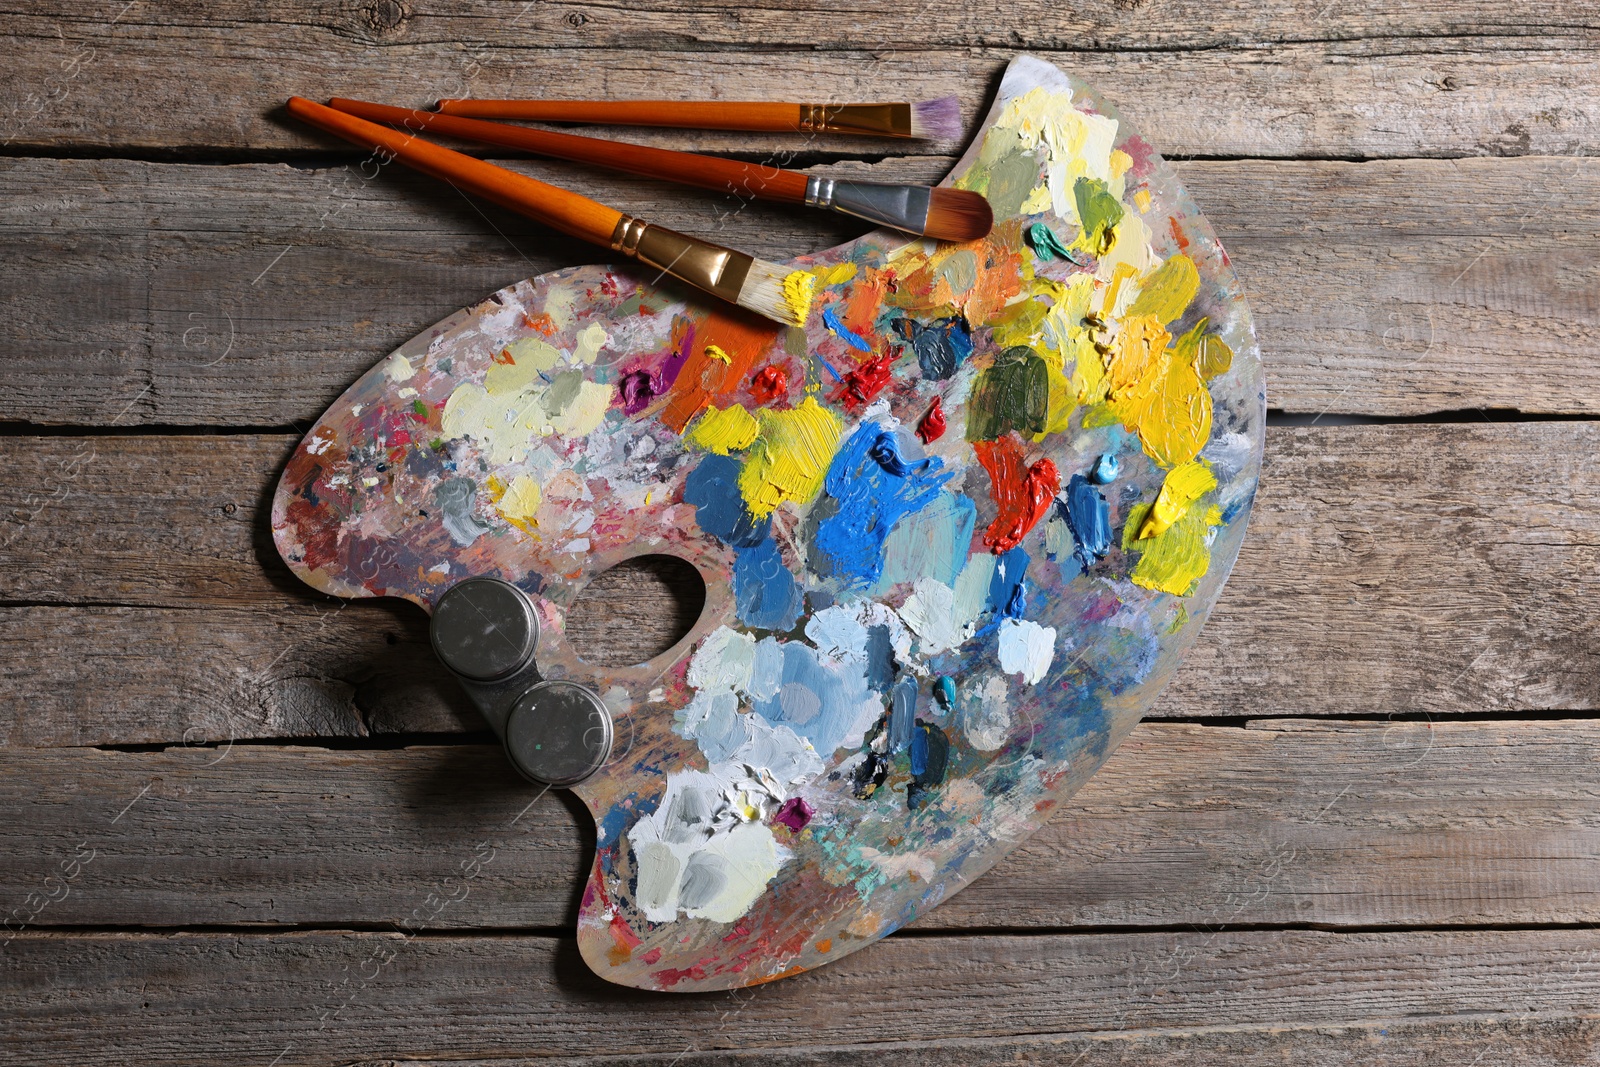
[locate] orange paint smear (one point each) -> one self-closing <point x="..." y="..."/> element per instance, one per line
<point x="1021" y="494"/>
<point x="705" y="380"/>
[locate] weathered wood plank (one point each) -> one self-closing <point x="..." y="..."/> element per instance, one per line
<point x="1526" y="1040"/>
<point x="1359" y="824"/>
<point x="1093" y="25"/>
<point x="1363" y="79"/>
<point x="141" y="293"/>
<point x="324" y="998"/>
<point x="1400" y="568"/>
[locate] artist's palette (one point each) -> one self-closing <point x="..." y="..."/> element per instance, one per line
<point x="916" y="645"/>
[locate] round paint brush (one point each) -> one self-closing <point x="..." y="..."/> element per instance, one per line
<point x="943" y="214"/>
<point x="753" y="284"/>
<point x="928" y="119"/>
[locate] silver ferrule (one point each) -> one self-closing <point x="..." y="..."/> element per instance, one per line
<point x="904" y="207"/>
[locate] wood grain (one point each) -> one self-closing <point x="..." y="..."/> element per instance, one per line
<point x="197" y="998"/>
<point x="1338" y="824"/>
<point x="253" y="295"/>
<point x="1410" y="568"/>
<point x="1335" y="80"/>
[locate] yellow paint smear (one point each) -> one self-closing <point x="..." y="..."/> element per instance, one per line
<point x="790" y="457"/>
<point x="1183" y="486"/>
<point x="520" y="502"/>
<point x="1166" y="291"/>
<point x="834" y="275"/>
<point x="723" y="431"/>
<point x="1141" y="200"/>
<point x="1160" y="397"/>
<point x="798" y="288"/>
<point x="713" y="352"/>
<point x="1173" y="561"/>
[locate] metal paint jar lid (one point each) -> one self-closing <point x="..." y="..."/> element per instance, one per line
<point x="558" y="733"/>
<point x="484" y="629"/>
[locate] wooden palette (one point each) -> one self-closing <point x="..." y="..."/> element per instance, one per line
<point x="956" y="533"/>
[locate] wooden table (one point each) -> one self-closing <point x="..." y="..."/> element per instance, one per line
<point x="1361" y="828"/>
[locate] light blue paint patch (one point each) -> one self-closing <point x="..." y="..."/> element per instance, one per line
<point x="871" y="498"/>
<point x="944" y="691"/>
<point x="764" y="590"/>
<point x="1089" y="518"/>
<point x="902" y="713"/>
<point x="1106" y="469"/>
<point x="932" y="543"/>
<point x="820" y="702"/>
<point x="766" y="672"/>
<point x="830" y="319"/>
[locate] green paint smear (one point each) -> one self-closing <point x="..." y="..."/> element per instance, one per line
<point x="1099" y="211"/>
<point x="1006" y="172"/>
<point x="1046" y="245"/>
<point x="1013" y="394"/>
<point x="419" y="407"/>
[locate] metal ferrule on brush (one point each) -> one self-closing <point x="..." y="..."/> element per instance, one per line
<point x="905" y="207"/>
<point x="719" y="271"/>
<point x="879" y="120"/>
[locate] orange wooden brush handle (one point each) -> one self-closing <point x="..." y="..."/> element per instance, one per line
<point x="568" y="212"/>
<point x="707" y="172"/>
<point x="707" y="115"/>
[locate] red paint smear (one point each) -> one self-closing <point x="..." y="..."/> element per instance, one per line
<point x="740" y="932"/>
<point x="1177" y="234"/>
<point x="671" y="976"/>
<point x="623" y="933"/>
<point x="932" y="426"/>
<point x="769" y="383"/>
<point x="704" y="380"/>
<point x="1021" y="495"/>
<point x="319" y="539"/>
<point x="652" y="957"/>
<point x="865" y="382"/>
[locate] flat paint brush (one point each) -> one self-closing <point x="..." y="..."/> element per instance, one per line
<point x="752" y="283"/>
<point x="930" y="119"/>
<point x="944" y="214"/>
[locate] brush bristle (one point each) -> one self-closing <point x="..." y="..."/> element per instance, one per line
<point x="958" y="215"/>
<point x="763" y="293"/>
<point x="936" y="120"/>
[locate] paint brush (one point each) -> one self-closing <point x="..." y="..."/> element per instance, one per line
<point x="943" y="214"/>
<point x="928" y="119"/>
<point x="752" y="283"/>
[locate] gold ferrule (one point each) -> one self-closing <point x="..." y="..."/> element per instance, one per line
<point x="878" y="120"/>
<point x="719" y="271"/>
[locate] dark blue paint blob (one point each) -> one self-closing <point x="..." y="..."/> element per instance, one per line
<point x="941" y="346"/>
<point x="1089" y="519"/>
<point x="830" y="319"/>
<point x="902" y="713"/>
<point x="713" y="488"/>
<point x="870" y="499"/>
<point x="1007" y="581"/>
<point x="930" y="759"/>
<point x="764" y="590"/>
<point x="880" y="659"/>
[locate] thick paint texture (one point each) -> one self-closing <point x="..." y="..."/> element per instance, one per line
<point x="956" y="530"/>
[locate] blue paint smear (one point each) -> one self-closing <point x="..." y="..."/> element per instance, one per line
<point x="831" y="320"/>
<point x="764" y="590"/>
<point x="1007" y="581"/>
<point x="933" y="543"/>
<point x="818" y="702"/>
<point x="919" y="752"/>
<point x="880" y="659"/>
<point x="871" y="498"/>
<point x="713" y="488"/>
<point x="941" y="346"/>
<point x="944" y="691"/>
<point x="902" y="713"/>
<point x="1089" y="519"/>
